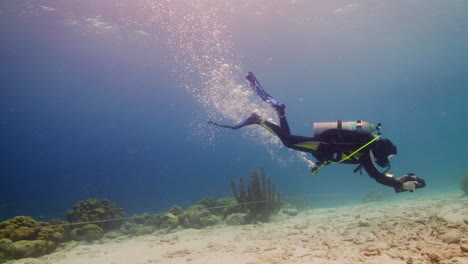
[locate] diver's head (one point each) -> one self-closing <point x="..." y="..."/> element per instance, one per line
<point x="383" y="149"/>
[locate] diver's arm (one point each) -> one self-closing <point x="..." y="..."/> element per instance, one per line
<point x="381" y="178"/>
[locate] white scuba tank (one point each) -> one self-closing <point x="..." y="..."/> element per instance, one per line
<point x="358" y="126"/>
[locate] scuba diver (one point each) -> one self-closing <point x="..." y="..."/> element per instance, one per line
<point x="335" y="142"/>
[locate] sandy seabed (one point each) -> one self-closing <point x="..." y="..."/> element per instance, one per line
<point x="421" y="230"/>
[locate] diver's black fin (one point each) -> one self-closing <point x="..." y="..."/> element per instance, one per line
<point x="258" y="89"/>
<point x="253" y="119"/>
<point x="216" y="124"/>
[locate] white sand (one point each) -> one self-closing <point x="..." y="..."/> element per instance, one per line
<point x="423" y="230"/>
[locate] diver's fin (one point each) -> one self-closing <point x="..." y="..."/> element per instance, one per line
<point x="253" y="119"/>
<point x="258" y="89"/>
<point x="216" y="124"/>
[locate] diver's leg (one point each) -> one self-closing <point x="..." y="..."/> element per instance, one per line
<point x="283" y="122"/>
<point x="255" y="119"/>
<point x="282" y="132"/>
<point x="275" y="129"/>
<point x="301" y="143"/>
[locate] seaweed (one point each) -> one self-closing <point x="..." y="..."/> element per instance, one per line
<point x="260" y="200"/>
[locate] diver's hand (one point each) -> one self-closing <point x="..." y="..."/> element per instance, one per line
<point x="409" y="186"/>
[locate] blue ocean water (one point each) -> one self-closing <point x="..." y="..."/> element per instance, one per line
<point x="109" y="99"/>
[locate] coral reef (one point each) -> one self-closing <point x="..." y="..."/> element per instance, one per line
<point x="236" y="219"/>
<point x="176" y="210"/>
<point x="260" y="200"/>
<point x="198" y="218"/>
<point x="142" y="219"/>
<point x="138" y="225"/>
<point x="22" y="237"/>
<point x="136" y="229"/>
<point x="195" y="217"/>
<point x="166" y="220"/>
<point x="53" y="233"/>
<point x="7" y="250"/>
<point x="169" y="221"/>
<point x="87" y="233"/>
<point x="29" y="248"/>
<point x="372" y="196"/>
<point x="215" y="206"/>
<point x="96" y="210"/>
<point x="464" y="183"/>
<point x="289" y="209"/>
<point x="19" y="228"/>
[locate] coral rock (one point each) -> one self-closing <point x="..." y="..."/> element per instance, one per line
<point x="7" y="249"/>
<point x="290" y="210"/>
<point x="464" y="247"/>
<point x="451" y="237"/>
<point x="133" y="229"/>
<point x="166" y="221"/>
<point x="236" y="219"/>
<point x="197" y="218"/>
<point x="29" y="248"/>
<point x="23" y="233"/>
<point x="37" y="238"/>
<point x="94" y="210"/>
<point x="87" y="233"/>
<point x="176" y="210"/>
<point x="19" y="228"/>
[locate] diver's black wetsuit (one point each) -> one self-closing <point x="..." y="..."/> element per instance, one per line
<point x="333" y="145"/>
<point x="328" y="147"/>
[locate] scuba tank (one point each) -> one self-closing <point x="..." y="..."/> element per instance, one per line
<point x="358" y="126"/>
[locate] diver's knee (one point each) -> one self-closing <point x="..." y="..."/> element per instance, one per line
<point x="286" y="143"/>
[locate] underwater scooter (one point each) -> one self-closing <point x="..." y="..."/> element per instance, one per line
<point x="412" y="177"/>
